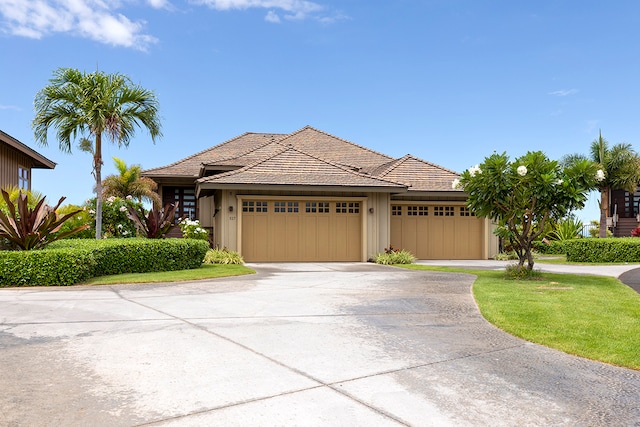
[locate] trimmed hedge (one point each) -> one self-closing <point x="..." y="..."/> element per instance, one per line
<point x="620" y="249"/>
<point x="553" y="247"/>
<point x="71" y="261"/>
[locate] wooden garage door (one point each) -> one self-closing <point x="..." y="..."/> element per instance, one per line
<point x="301" y="230"/>
<point x="437" y="231"/>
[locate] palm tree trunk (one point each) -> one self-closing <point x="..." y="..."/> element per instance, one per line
<point x="604" y="203"/>
<point x="97" y="166"/>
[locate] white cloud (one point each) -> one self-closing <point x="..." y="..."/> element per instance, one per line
<point x="296" y="10"/>
<point x="564" y="92"/>
<point x="272" y="17"/>
<point x="10" y="107"/>
<point x="93" y="19"/>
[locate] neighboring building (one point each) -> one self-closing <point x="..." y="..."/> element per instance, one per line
<point x="624" y="211"/>
<point x="17" y="161"/>
<point x="310" y="196"/>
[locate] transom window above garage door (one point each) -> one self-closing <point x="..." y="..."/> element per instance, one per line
<point x="465" y="211"/>
<point x="254" y="206"/>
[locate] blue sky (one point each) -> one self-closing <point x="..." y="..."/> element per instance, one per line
<point x="449" y="81"/>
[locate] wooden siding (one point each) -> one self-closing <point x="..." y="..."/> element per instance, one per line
<point x="10" y="160"/>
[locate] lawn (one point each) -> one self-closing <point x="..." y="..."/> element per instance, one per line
<point x="206" y="271"/>
<point x="589" y="316"/>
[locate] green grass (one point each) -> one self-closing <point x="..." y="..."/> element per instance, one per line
<point x="206" y="271"/>
<point x="590" y="316"/>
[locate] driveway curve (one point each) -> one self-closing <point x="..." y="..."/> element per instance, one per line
<point x="296" y="344"/>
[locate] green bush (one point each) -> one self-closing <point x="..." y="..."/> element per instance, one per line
<point x="391" y="257"/>
<point x="515" y="272"/>
<point x="66" y="262"/>
<point x="223" y="256"/>
<point x="45" y="267"/>
<point x="552" y="247"/>
<point x="622" y="249"/>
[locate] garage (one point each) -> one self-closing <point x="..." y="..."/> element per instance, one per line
<point x="301" y="230"/>
<point x="437" y="231"/>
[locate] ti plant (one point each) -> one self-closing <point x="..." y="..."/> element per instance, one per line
<point x="155" y="223"/>
<point x="28" y="228"/>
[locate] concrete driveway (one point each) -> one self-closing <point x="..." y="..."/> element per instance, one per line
<point x="294" y="345"/>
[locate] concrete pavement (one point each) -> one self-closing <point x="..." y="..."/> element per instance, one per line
<point x="297" y="344"/>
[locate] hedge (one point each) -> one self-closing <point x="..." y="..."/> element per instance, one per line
<point x="620" y="249"/>
<point x="71" y="261"/>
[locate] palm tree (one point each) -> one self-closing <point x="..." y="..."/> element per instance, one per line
<point x="90" y="105"/>
<point x="129" y="182"/>
<point x="621" y="167"/>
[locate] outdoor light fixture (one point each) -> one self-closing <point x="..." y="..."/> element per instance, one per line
<point x="370" y="210"/>
<point x="230" y="208"/>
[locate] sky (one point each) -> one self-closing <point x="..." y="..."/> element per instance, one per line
<point x="449" y="81"/>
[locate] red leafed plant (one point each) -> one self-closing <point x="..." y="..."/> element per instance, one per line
<point x="33" y="228"/>
<point x="155" y="223"/>
<point x="635" y="232"/>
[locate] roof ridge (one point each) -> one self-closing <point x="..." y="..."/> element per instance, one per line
<point x="393" y="164"/>
<point x="244" y="153"/>
<point x="228" y="141"/>
<point x="286" y="148"/>
<point x="308" y="127"/>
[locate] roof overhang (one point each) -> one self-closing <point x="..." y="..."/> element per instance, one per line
<point x="208" y="189"/>
<point x="39" y="161"/>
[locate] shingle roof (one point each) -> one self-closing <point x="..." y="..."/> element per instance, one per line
<point x="190" y="166"/>
<point x="291" y="166"/>
<point x="39" y="161"/>
<point x="417" y="174"/>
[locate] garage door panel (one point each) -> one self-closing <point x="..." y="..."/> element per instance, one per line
<point x="436" y="231"/>
<point x="303" y="231"/>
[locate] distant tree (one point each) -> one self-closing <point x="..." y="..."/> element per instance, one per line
<point x="128" y="182"/>
<point x="522" y="195"/>
<point x="621" y="170"/>
<point x="92" y="105"/>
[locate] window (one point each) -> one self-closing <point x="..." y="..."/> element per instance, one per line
<point x="186" y="199"/>
<point x="254" y="206"/>
<point x="396" y="210"/>
<point x="412" y="210"/>
<point x="443" y="211"/>
<point x="348" y="207"/>
<point x="23" y="178"/>
<point x="464" y="211"/>
<point x="320" y="207"/>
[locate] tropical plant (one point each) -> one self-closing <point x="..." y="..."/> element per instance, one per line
<point x="522" y="195"/>
<point x="32" y="228"/>
<point x="155" y="223"/>
<point x="392" y="256"/>
<point x="222" y="256"/>
<point x="81" y="218"/>
<point x="128" y="182"/>
<point x="620" y="166"/>
<point x="191" y="229"/>
<point x="115" y="216"/>
<point x="566" y="229"/>
<point x="32" y="196"/>
<point x="94" y="104"/>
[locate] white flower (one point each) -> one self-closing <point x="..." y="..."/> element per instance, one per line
<point x="522" y="170"/>
<point x="129" y="197"/>
<point x="91" y="211"/>
<point x="473" y="170"/>
<point x="119" y="226"/>
<point x="455" y="184"/>
<point x="559" y="182"/>
<point x="600" y="175"/>
<point x="111" y="199"/>
<point x="123" y="208"/>
<point x="88" y="201"/>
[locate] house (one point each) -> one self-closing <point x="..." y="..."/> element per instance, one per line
<point x="311" y="196"/>
<point x="17" y="161"/>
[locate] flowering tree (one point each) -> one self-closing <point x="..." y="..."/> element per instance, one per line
<point x="522" y="195"/>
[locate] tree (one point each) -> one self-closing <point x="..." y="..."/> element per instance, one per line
<point x="128" y="182"/>
<point x="621" y="167"/>
<point x="521" y="196"/>
<point x="92" y="105"/>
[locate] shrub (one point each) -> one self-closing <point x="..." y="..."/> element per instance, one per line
<point x="155" y="223"/>
<point x="550" y="247"/>
<point x="516" y="272"/>
<point x="506" y="256"/>
<point x="622" y="249"/>
<point x="567" y="229"/>
<point x="115" y="221"/>
<point x="46" y="267"/>
<point x="79" y="219"/>
<point x="223" y="256"/>
<point x="394" y="256"/>
<point x="192" y="230"/>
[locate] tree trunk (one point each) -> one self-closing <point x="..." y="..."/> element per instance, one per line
<point x="97" y="166"/>
<point x="604" y="202"/>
